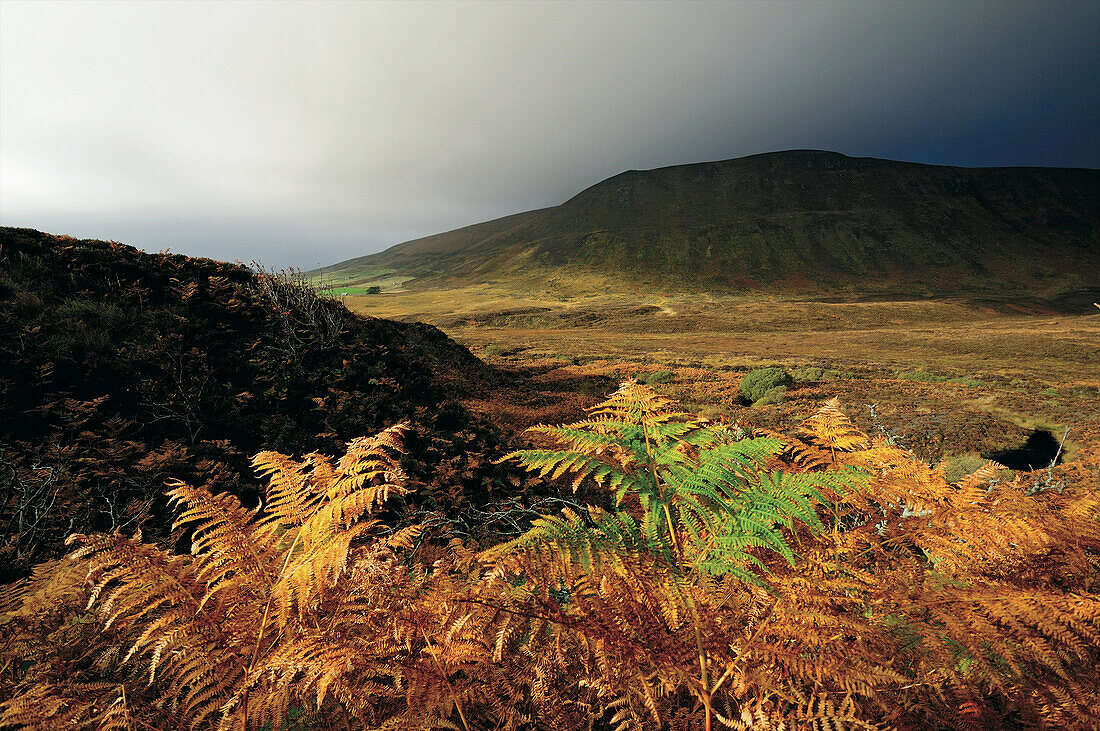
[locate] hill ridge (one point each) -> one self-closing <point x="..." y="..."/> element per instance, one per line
<point x="809" y="221"/>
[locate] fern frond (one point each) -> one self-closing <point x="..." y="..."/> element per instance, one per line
<point x="48" y="706"/>
<point x="370" y="459"/>
<point x="292" y="491"/>
<point x="830" y="428"/>
<point x="572" y="540"/>
<point x="223" y="536"/>
<point x="117" y="716"/>
<point x="553" y="464"/>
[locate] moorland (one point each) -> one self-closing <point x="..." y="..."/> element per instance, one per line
<point x="964" y="292"/>
<point x="803" y="222"/>
<point x="820" y="473"/>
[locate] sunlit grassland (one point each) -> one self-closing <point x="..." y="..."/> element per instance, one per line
<point x="950" y="338"/>
<point x="978" y="375"/>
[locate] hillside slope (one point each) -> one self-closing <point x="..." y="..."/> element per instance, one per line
<point x="120" y="370"/>
<point x="803" y="220"/>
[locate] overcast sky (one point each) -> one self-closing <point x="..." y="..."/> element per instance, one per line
<point x="308" y="133"/>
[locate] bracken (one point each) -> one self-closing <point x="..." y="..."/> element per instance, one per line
<point x="824" y="581"/>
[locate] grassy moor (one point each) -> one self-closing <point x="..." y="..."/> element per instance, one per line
<point x="797" y="441"/>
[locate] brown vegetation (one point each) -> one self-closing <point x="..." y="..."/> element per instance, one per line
<point x="121" y="370"/>
<point x="824" y="580"/>
<point x="783" y="566"/>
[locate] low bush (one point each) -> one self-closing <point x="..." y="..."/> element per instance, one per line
<point x="759" y="381"/>
<point x="960" y="466"/>
<point x="775" y="395"/>
<point x="655" y="377"/>
<point x="808" y="374"/>
<point x="811" y="374"/>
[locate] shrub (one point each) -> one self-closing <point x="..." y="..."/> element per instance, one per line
<point x="775" y="395"/>
<point x="306" y="318"/>
<point x="962" y="465"/>
<point x="811" y="374"/>
<point x="808" y="374"/>
<point x="759" y="381"/>
<point x="656" y="377"/>
<point x="373" y="289"/>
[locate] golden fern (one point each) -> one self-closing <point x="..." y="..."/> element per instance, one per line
<point x="298" y="607"/>
<point x="817" y="582"/>
<point x="922" y="583"/>
<point x="830" y="428"/>
<point x="49" y="706"/>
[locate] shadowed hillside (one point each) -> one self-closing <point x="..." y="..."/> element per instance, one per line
<point x="120" y="370"/>
<point x="808" y="221"/>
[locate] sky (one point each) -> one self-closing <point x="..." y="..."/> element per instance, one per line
<point x="303" y="134"/>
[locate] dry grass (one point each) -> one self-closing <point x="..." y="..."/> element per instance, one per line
<point x="952" y="337"/>
<point x="1016" y="369"/>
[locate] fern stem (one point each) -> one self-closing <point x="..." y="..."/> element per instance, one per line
<point x="260" y="634"/>
<point x="724" y="677"/>
<point x="122" y="699"/>
<point x="704" y="682"/>
<point x="443" y="673"/>
<point x="657" y="489"/>
<point x="672" y="531"/>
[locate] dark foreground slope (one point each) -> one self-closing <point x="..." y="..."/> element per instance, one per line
<point x="801" y="220"/>
<point x="120" y="370"/>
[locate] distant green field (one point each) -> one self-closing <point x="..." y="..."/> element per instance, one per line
<point x="388" y="282"/>
<point x="349" y="276"/>
<point x="343" y="291"/>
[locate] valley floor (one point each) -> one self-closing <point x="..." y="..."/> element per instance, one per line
<point x="951" y="380"/>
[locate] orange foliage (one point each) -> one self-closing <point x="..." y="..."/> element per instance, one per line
<point x="917" y="604"/>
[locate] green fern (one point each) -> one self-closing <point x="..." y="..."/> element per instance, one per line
<point x="705" y="498"/>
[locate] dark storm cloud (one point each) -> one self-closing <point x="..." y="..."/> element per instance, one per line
<point x="309" y="133"/>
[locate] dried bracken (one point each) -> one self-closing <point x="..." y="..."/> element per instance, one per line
<point x="827" y="581"/>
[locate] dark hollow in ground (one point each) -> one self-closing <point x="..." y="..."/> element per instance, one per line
<point x="1040" y="449"/>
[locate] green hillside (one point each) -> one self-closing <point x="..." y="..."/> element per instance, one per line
<point x="807" y="221"/>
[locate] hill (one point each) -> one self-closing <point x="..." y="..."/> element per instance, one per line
<point x="800" y="221"/>
<point x="120" y="370"/>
